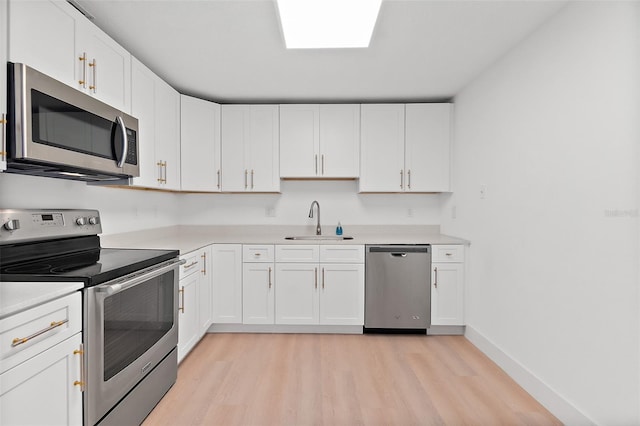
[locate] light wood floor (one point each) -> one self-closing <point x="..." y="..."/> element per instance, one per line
<point x="305" y="379"/>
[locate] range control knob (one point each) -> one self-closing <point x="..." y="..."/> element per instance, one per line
<point x="12" y="225"/>
<point x="81" y="221"/>
<point x="94" y="220"/>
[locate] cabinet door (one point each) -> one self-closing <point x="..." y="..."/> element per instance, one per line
<point x="299" y="141"/>
<point x="143" y="108"/>
<point x="205" y="290"/>
<point x="167" y="133"/>
<point x="227" y="283"/>
<point x="41" y="390"/>
<point x="199" y="145"/>
<point x="257" y="293"/>
<point x="297" y="300"/>
<point x="427" y="144"/>
<point x="3" y="87"/>
<point x="339" y="141"/>
<point x="382" y="148"/>
<point x="263" y="152"/>
<point x="188" y="333"/>
<point x="342" y="294"/>
<point x="447" y="294"/>
<point x="42" y="34"/>
<point x="234" y="128"/>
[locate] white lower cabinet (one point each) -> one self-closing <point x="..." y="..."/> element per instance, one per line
<point x="319" y="292"/>
<point x="227" y="283"/>
<point x="41" y="370"/>
<point x="41" y="390"/>
<point x="447" y="285"/>
<point x="258" y="290"/>
<point x="194" y="299"/>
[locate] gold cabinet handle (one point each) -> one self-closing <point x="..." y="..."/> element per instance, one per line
<point x="401" y="179"/>
<point x="82" y="381"/>
<point x="159" y="164"/>
<point x="246" y="173"/>
<point x="3" y="130"/>
<point x="270" y="277"/>
<point x="409" y="178"/>
<point x="181" y="291"/>
<point x="435" y="280"/>
<point x="204" y="263"/>
<point x="20" y="340"/>
<point x="94" y="67"/>
<point x="323" y="278"/>
<point x="195" y="262"/>
<point x="316" y="163"/>
<point x="83" y="59"/>
<point x="322" y="164"/>
<point x="316" y="278"/>
<point x="251" y="178"/>
<point x="218" y="179"/>
<point x="164" y="166"/>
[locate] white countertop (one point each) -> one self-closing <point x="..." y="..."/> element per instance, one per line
<point x="18" y="296"/>
<point x="192" y="237"/>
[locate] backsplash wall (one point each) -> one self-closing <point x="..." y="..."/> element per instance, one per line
<point x="125" y="210"/>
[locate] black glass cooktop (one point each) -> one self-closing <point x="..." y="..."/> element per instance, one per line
<point x="77" y="260"/>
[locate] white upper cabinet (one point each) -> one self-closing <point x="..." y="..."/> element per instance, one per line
<point x="319" y="141"/>
<point x="405" y="148"/>
<point x="250" y="156"/>
<point x="3" y="87"/>
<point x="104" y="66"/>
<point x="382" y="148"/>
<point x="156" y="105"/>
<point x="54" y="38"/>
<point x="427" y="145"/>
<point x="200" y="145"/>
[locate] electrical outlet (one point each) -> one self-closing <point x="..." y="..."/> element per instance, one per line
<point x="483" y="191"/>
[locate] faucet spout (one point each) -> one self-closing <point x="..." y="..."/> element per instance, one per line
<point x="318" y="229"/>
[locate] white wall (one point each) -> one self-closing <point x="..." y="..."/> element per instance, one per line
<point x="339" y="201"/>
<point x="552" y="130"/>
<point x="121" y="210"/>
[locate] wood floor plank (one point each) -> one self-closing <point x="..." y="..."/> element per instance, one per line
<point x="310" y="379"/>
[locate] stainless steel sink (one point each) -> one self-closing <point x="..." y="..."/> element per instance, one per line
<point x="320" y="237"/>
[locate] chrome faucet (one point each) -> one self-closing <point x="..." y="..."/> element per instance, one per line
<point x="318" y="229"/>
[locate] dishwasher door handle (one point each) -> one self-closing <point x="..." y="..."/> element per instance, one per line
<point x="398" y="254"/>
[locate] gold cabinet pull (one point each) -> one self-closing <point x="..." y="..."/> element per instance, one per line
<point x="323" y="278"/>
<point x="316" y="163"/>
<point x="322" y="164"/>
<point x="83" y="60"/>
<point x="409" y="178"/>
<point x="20" y="340"/>
<point x="181" y="291"/>
<point x="82" y="381"/>
<point x="195" y="262"/>
<point x="251" y="178"/>
<point x="401" y="179"/>
<point x="164" y="166"/>
<point x="316" y="278"/>
<point x="270" y="277"/>
<point x="435" y="280"/>
<point x="159" y="164"/>
<point x="204" y="263"/>
<point x="94" y="67"/>
<point x="3" y="130"/>
<point x="246" y="173"/>
<point x="218" y="179"/>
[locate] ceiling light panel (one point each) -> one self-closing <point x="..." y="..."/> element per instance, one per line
<point x="322" y="24"/>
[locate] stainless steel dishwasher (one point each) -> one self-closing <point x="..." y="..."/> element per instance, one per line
<point x="397" y="288"/>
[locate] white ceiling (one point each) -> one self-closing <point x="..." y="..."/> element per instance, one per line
<point x="233" y="50"/>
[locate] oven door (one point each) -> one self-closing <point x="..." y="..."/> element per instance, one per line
<point x="130" y="325"/>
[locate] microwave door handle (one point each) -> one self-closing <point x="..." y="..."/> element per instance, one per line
<point x="125" y="141"/>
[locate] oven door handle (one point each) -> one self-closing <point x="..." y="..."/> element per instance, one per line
<point x="125" y="283"/>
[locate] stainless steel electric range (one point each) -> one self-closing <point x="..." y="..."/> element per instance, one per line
<point x="130" y="306"/>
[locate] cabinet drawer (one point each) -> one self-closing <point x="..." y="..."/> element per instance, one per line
<point x="194" y="263"/>
<point x="39" y="328"/>
<point x="297" y="253"/>
<point x="341" y="254"/>
<point x="257" y="253"/>
<point x="447" y="253"/>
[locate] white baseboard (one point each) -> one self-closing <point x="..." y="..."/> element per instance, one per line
<point x="281" y="328"/>
<point x="548" y="397"/>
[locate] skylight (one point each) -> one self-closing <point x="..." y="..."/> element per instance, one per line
<point x="322" y="24"/>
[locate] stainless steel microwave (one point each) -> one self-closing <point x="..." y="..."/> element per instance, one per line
<point x="57" y="131"/>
